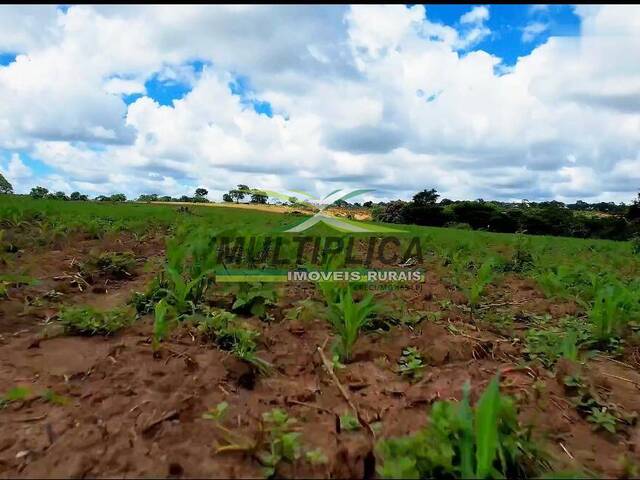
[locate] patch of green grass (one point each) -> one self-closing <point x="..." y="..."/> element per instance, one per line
<point x="635" y="245"/>
<point x="144" y="302"/>
<point x="117" y="265"/>
<point x="548" y="343"/>
<point x="54" y="398"/>
<point x="229" y="334"/>
<point x="305" y="310"/>
<point x="613" y="308"/>
<point x="88" y="321"/>
<point x="316" y="457"/>
<point x="479" y="283"/>
<point x="349" y="423"/>
<point x="16" y="394"/>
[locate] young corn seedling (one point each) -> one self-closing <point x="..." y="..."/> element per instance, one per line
<point x="189" y="269"/>
<point x="477" y="286"/>
<point x="464" y="442"/>
<point x="348" y="317"/>
<point x="613" y="308"/>
<point x="569" y="346"/>
<point x="161" y="324"/>
<point x="330" y="289"/>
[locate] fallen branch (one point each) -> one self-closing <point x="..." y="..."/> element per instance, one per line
<point x="637" y="385"/>
<point x="343" y="391"/>
<point x="30" y="419"/>
<point x="170" y="415"/>
<point x="566" y="451"/>
<point x="501" y="304"/>
<point x="604" y="357"/>
<point x="309" y="405"/>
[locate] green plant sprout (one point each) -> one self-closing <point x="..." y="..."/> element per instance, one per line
<point x="89" y="321"/>
<point x="464" y="442"/>
<point x="15" y="394"/>
<point x="161" y="324"/>
<point x="411" y="364"/>
<point x="349" y="423"/>
<point x="348" y="317"/>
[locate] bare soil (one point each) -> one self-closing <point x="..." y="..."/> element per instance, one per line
<point x="130" y="414"/>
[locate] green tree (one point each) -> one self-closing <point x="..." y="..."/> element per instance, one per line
<point x="426" y="197"/>
<point x="201" y="192"/>
<point x="239" y="193"/>
<point x="118" y="197"/>
<point x="38" y="192"/>
<point x="58" y="196"/>
<point x="633" y="213"/>
<point x="148" y="197"/>
<point x="258" y="196"/>
<point x="5" y="186"/>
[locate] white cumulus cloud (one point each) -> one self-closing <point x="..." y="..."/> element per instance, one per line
<point x="375" y="96"/>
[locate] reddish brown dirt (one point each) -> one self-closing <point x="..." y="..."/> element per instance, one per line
<point x="55" y="269"/>
<point x="130" y="414"/>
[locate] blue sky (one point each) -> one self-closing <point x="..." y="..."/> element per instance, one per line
<point x="507" y="22"/>
<point x="323" y="97"/>
<point x="7" y="57"/>
<point x="165" y="91"/>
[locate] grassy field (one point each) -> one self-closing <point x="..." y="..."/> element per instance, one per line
<point x="516" y="356"/>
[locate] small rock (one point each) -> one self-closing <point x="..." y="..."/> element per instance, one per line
<point x="22" y="453"/>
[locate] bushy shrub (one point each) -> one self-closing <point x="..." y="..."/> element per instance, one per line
<point x="392" y="212"/>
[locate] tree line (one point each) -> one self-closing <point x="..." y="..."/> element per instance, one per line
<point x="606" y="220"/>
<point x="581" y="219"/>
